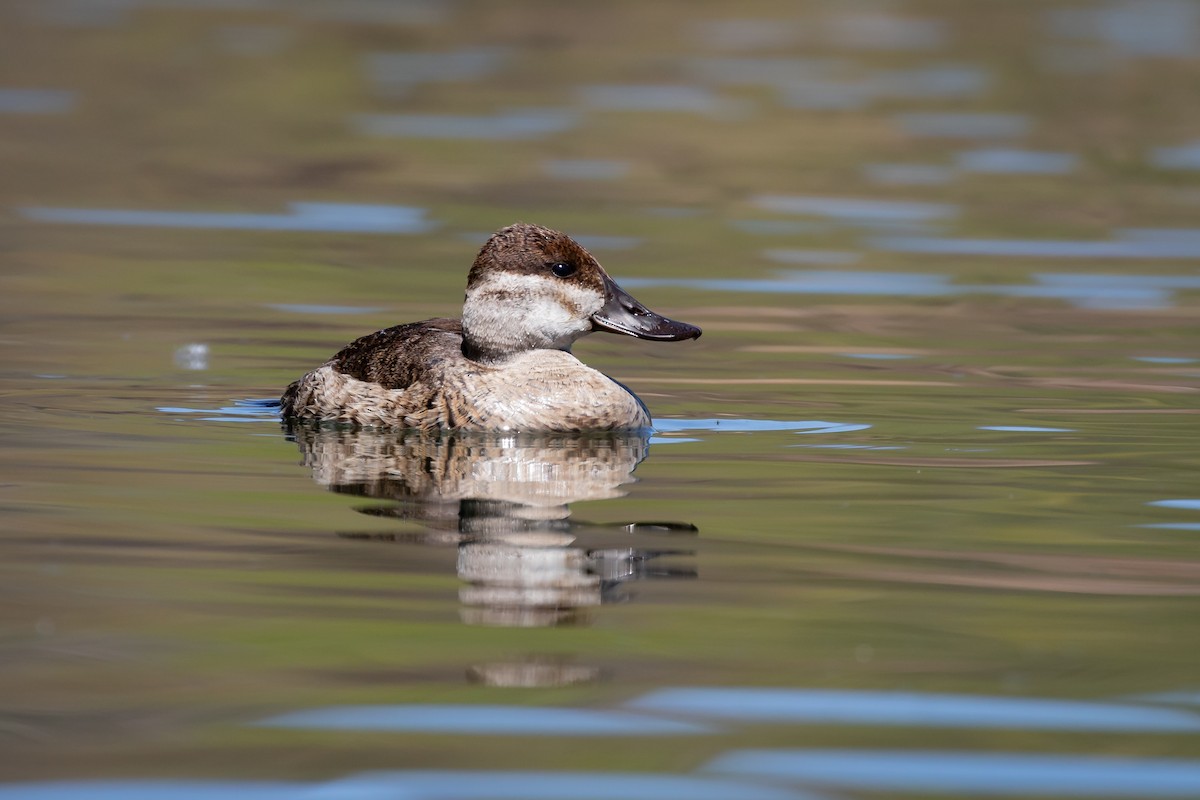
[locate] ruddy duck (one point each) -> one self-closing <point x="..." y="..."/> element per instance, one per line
<point x="507" y="364"/>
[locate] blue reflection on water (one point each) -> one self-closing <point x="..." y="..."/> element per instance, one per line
<point x="484" y="720"/>
<point x="1016" y="162"/>
<point x="1024" y="429"/>
<point x="1183" y="157"/>
<point x="820" y="257"/>
<point x="422" y="785"/>
<point x="752" y="425"/>
<point x="1133" y="245"/>
<point x="1084" y="290"/>
<point x="36" y="101"/>
<point x="1173" y="526"/>
<point x="498" y="785"/>
<point x="940" y="81"/>
<point x="1191" y="698"/>
<point x="855" y="209"/>
<point x="762" y="71"/>
<point x="815" y="282"/>
<point x="395" y="73"/>
<point x="909" y="174"/>
<point x="162" y="790"/>
<point x="915" y="771"/>
<point x="1188" y="503"/>
<point x="871" y="29"/>
<point x="327" y="217"/>
<point x="644" y="97"/>
<point x="1166" y="359"/>
<point x="518" y="124"/>
<point x="935" y="81"/>
<point x="827" y="706"/>
<point x="586" y="169"/>
<point x="240" y="411"/>
<point x="1133" y="27"/>
<point x="879" y="356"/>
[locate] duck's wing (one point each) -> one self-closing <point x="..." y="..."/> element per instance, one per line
<point x="398" y="357"/>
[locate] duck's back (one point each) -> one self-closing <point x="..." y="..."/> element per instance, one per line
<point x="416" y="376"/>
<point x="397" y="357"/>
<point x="381" y="379"/>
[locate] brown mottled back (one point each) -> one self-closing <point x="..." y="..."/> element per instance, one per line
<point x="396" y="357"/>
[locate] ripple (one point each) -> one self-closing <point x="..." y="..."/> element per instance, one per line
<point x="879" y="30"/>
<point x="909" y="174"/>
<point x="1130" y="246"/>
<point x="753" y="425"/>
<point x="855" y="282"/>
<point x="855" y="209"/>
<point x="1185" y="156"/>
<point x="926" y="709"/>
<point x="1133" y="28"/>
<point x="156" y="790"/>
<point x="921" y="771"/>
<point x="421" y="785"/>
<point x="643" y="97"/>
<point x="965" y="125"/>
<point x="325" y="217"/>
<point x="483" y="720"/>
<point x="1007" y="161"/>
<point x="241" y="411"/>
<point x="1090" y="290"/>
<point x="1191" y="504"/>
<point x="1024" y="429"/>
<point x="1166" y="359"/>
<point x="36" y="101"/>
<point x="879" y="356"/>
<point x="515" y="125"/>
<point x="766" y="71"/>
<point x="396" y="73"/>
<point x="586" y="169"/>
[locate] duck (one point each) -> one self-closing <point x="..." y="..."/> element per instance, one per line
<point x="505" y="365"/>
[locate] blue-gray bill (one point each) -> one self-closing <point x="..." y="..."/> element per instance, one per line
<point x="622" y="313"/>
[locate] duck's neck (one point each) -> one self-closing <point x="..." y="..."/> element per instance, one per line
<point x="497" y="328"/>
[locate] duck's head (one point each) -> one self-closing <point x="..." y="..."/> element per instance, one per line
<point x="532" y="288"/>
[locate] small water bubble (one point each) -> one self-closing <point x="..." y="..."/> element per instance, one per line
<point x="864" y="653"/>
<point x="192" y="356"/>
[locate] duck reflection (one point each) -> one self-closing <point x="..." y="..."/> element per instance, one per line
<point x="504" y="501"/>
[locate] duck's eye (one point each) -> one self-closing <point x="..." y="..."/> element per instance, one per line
<point x="563" y="269"/>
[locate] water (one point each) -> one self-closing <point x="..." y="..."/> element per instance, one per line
<point x="919" y="514"/>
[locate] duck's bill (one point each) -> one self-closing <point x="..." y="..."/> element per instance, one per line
<point x="623" y="314"/>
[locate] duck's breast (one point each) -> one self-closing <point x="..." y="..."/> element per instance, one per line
<point x="543" y="390"/>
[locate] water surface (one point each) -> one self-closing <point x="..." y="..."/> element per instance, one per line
<point x="919" y="514"/>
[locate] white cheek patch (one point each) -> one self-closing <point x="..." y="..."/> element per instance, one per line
<point x="543" y="311"/>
